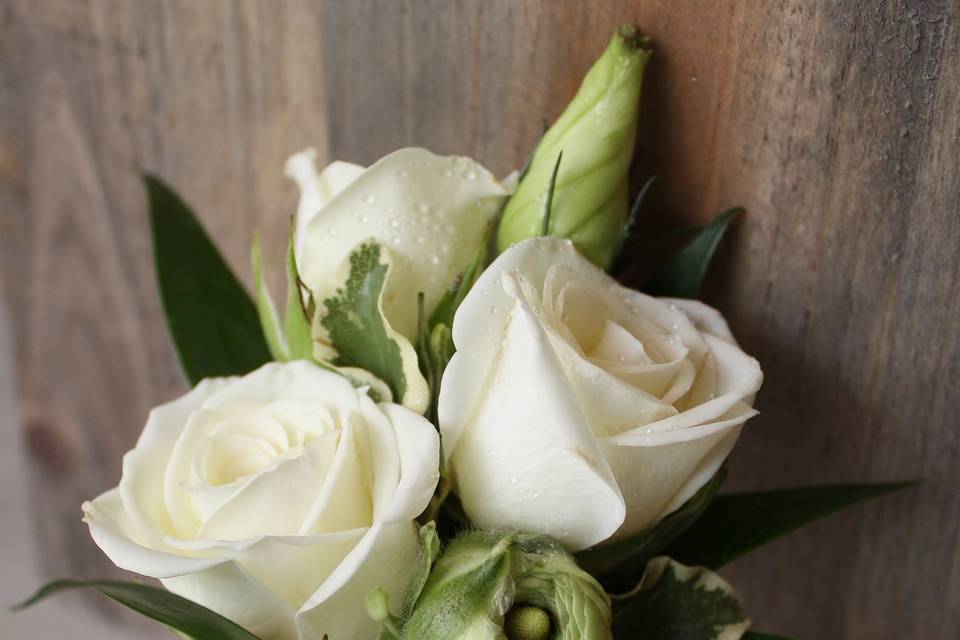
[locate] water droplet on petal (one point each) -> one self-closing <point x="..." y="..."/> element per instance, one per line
<point x="369" y="199"/>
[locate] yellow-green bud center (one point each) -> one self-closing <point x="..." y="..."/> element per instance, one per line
<point x="526" y="622"/>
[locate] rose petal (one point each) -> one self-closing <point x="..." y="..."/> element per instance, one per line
<point x="383" y="558"/>
<point x="431" y="212"/>
<point x="316" y="189"/>
<point x="528" y="459"/>
<point x="419" y="447"/>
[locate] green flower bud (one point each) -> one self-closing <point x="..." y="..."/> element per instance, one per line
<point x="596" y="136"/>
<point x="508" y="586"/>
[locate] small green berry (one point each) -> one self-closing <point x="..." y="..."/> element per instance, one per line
<point x="526" y="622"/>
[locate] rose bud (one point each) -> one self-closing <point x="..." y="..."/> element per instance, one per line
<point x="595" y="134"/>
<point x="507" y="585"/>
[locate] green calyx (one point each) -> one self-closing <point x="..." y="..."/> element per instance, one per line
<point x="595" y="134"/>
<point x="501" y="586"/>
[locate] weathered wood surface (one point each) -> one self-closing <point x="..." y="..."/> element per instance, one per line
<point x="836" y="124"/>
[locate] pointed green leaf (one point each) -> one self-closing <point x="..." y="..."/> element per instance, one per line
<point x="213" y="322"/>
<point x="620" y="565"/>
<point x="551" y="188"/>
<point x="628" y="227"/>
<point x="182" y="615"/>
<point x="447" y="306"/>
<point x="266" y="309"/>
<point x="734" y="524"/>
<point x="674" y="602"/>
<point x="681" y="276"/>
<point x="353" y="325"/>
<point x="296" y="319"/>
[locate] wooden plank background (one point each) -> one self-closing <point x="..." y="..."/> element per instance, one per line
<point x="837" y="124"/>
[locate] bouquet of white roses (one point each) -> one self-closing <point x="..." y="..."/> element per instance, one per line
<point x="458" y="424"/>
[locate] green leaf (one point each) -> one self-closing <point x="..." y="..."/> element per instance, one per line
<point x="619" y="566"/>
<point x="296" y="319"/>
<point x="447" y="306"/>
<point x="734" y="524"/>
<point x="214" y="323"/>
<point x="360" y="335"/>
<point x="172" y="610"/>
<point x="681" y="276"/>
<point x="551" y="188"/>
<point x="266" y="309"/>
<point x="674" y="602"/>
<point x="630" y="224"/>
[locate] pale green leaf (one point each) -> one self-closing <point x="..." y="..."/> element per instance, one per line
<point x="266" y="309"/>
<point x="296" y="319"/>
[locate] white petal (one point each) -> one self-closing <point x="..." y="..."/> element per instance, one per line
<point x="235" y="594"/>
<point x="705" y="317"/>
<point x="419" y="447"/>
<point x="478" y="327"/>
<point x="279" y="497"/>
<point x="343" y="501"/>
<point x="316" y="189"/>
<point x="658" y="474"/>
<point x="527" y="458"/>
<point x="110" y="529"/>
<point x="383" y="558"/>
<point x="430" y="211"/>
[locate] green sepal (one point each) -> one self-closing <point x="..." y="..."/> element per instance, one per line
<point x="447" y="306"/>
<point x="620" y="565"/>
<point x="292" y="339"/>
<point x="675" y="602"/>
<point x="184" y="616"/>
<point x="682" y="275"/>
<point x="426" y="555"/>
<point x="736" y="523"/>
<point x="266" y="309"/>
<point x="296" y="318"/>
<point x="351" y="327"/>
<point x="213" y="322"/>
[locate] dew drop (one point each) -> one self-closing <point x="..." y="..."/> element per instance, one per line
<point x="364" y="219"/>
<point x="448" y="173"/>
<point x="434" y="259"/>
<point x="513" y="479"/>
<point x="470" y="175"/>
<point x="369" y="199"/>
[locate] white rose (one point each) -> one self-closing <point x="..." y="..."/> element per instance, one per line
<point x="278" y="499"/>
<point x="581" y="409"/>
<point x="429" y="212"/>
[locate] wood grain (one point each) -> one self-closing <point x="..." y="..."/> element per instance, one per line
<point x="836" y="124"/>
